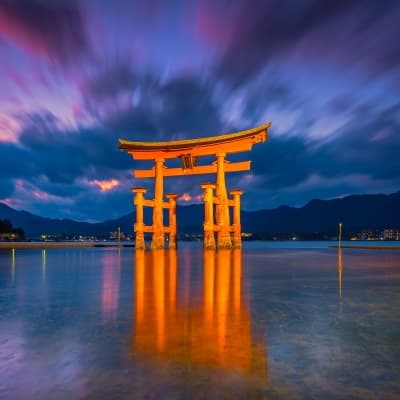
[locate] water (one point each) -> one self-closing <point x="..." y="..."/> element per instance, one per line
<point x="276" y="323"/>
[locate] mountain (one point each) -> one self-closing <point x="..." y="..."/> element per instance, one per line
<point x="34" y="225"/>
<point x="356" y="212"/>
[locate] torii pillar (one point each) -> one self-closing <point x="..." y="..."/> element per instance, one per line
<point x="237" y="229"/>
<point x="224" y="236"/>
<point x="157" y="241"/>
<point x="208" y="227"/>
<point x="172" y="219"/>
<point x="139" y="225"/>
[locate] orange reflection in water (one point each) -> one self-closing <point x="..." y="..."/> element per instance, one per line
<point x="110" y="288"/>
<point x="340" y="276"/>
<point x="340" y="271"/>
<point x="212" y="329"/>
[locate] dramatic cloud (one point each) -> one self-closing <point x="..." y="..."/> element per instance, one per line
<point x="310" y="31"/>
<point x="77" y="76"/>
<point x="104" y="185"/>
<point x="54" y="30"/>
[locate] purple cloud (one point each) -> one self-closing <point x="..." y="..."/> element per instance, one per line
<point x="46" y="29"/>
<point x="325" y="74"/>
<point x="311" y="32"/>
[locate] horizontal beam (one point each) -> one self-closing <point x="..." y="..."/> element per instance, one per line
<point x="197" y="170"/>
<point x="210" y="150"/>
<point x="231" y="142"/>
<point x="150" y="229"/>
<point x="150" y="203"/>
<point x="167" y="229"/>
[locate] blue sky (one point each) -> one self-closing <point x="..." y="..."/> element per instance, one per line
<point x="78" y="75"/>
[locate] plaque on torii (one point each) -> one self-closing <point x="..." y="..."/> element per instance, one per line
<point x="215" y="194"/>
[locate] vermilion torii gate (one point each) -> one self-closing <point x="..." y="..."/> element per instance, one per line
<point x="189" y="151"/>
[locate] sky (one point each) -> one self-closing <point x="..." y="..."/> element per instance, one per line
<point x="75" y="76"/>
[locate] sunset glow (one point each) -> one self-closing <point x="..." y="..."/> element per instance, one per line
<point x="106" y="186"/>
<point x="185" y="197"/>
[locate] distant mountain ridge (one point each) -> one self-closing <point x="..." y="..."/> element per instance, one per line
<point x="355" y="211"/>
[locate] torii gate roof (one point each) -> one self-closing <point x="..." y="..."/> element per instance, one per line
<point x="227" y="143"/>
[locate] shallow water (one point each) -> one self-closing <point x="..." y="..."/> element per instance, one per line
<point x="262" y="323"/>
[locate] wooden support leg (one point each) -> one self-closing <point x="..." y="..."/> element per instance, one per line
<point x="139" y="225"/>
<point x="224" y="236"/>
<point x="158" y="224"/>
<point x="237" y="234"/>
<point x="172" y="219"/>
<point x="209" y="240"/>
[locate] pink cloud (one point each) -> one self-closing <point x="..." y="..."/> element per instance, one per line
<point x="9" y="129"/>
<point x="213" y="26"/>
<point x="49" y="30"/>
<point x="38" y="194"/>
<point x="381" y="135"/>
<point x="77" y="109"/>
<point x="10" y="202"/>
<point x="15" y="31"/>
<point x="15" y="77"/>
<point x="42" y="78"/>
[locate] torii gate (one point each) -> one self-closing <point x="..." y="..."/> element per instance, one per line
<point x="189" y="151"/>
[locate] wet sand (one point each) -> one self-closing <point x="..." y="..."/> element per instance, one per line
<point x="61" y="245"/>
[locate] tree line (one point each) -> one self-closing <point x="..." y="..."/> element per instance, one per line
<point x="6" y="228"/>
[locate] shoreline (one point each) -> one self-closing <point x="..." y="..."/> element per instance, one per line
<point x="71" y="245"/>
<point x="53" y="245"/>
<point x="365" y="247"/>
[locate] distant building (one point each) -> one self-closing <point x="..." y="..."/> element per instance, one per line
<point x="8" y="232"/>
<point x="391" y="234"/>
<point x="8" y="236"/>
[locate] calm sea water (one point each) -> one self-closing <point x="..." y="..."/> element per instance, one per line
<point x="264" y="322"/>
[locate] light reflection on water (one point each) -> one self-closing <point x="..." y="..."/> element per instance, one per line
<point x="110" y="286"/>
<point x="207" y="329"/>
<point x="262" y="323"/>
